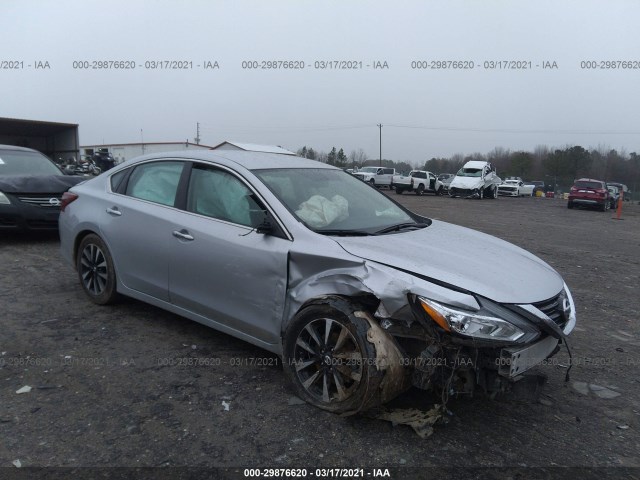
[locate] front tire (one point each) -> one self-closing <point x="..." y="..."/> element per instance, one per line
<point x="95" y="270"/>
<point x="328" y="358"/>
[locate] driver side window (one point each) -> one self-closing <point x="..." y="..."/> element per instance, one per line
<point x="218" y="194"/>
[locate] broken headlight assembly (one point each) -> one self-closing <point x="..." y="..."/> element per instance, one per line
<point x="471" y="324"/>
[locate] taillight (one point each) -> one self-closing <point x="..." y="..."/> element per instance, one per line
<point x="574" y="189"/>
<point x="67" y="198"/>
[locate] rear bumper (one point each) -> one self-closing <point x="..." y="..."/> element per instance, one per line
<point x="587" y="201"/>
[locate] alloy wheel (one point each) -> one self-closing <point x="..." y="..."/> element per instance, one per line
<point x="93" y="269"/>
<point x="328" y="361"/>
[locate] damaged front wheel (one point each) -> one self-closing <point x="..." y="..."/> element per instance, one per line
<point x="329" y="360"/>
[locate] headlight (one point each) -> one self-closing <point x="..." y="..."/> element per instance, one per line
<point x="470" y="324"/>
<point x="4" y="200"/>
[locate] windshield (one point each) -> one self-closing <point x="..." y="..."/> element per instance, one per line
<point x="17" y="163"/>
<point x="368" y="170"/>
<point x="469" y="172"/>
<point x="333" y="201"/>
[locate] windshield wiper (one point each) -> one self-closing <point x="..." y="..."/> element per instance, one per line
<point x="401" y="226"/>
<point x="345" y="233"/>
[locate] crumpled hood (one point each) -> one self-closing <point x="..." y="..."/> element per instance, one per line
<point x="463" y="258"/>
<point x="39" y="183"/>
<point x="467" y="182"/>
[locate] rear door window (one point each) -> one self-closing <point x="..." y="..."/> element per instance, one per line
<point x="156" y="182"/>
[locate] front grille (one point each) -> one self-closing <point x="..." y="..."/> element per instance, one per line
<point x="459" y="191"/>
<point x="44" y="224"/>
<point x="552" y="308"/>
<point x="50" y="200"/>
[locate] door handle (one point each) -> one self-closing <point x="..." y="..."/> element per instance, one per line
<point x="182" y="234"/>
<point x="114" y="211"/>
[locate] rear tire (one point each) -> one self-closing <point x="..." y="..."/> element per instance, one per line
<point x="96" y="271"/>
<point x="420" y="189"/>
<point x="399" y="190"/>
<point x="570" y="204"/>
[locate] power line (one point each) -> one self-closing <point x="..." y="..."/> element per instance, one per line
<point x="248" y="129"/>
<point x="511" y="130"/>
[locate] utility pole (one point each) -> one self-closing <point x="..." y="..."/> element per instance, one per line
<point x="142" y="140"/>
<point x="197" y="139"/>
<point x="380" y="127"/>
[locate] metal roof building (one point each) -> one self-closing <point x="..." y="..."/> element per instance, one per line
<point x="51" y="138"/>
<point x="252" y="147"/>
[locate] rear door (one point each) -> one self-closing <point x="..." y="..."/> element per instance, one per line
<point x="138" y="222"/>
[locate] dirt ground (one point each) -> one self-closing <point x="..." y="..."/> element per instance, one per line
<point x="131" y="385"/>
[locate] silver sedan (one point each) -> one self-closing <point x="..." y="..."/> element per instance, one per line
<point x="360" y="297"/>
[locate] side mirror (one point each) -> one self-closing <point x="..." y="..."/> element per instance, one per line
<point x="265" y="227"/>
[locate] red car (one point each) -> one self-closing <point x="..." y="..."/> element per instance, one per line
<point x="590" y="193"/>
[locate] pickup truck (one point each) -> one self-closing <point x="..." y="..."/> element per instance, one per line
<point x="419" y="182"/>
<point x="476" y="179"/>
<point x="376" y="176"/>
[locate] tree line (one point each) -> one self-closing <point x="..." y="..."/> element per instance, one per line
<point x="355" y="159"/>
<point x="556" y="167"/>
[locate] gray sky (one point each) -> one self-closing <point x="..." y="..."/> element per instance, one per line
<point x="455" y="111"/>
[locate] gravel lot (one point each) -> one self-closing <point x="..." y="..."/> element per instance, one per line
<point x="132" y="385"/>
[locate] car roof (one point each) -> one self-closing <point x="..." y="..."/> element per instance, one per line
<point x="248" y="160"/>
<point x="475" y="164"/>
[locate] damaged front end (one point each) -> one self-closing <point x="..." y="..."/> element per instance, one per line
<point x="456" y="351"/>
<point x="408" y="330"/>
<point x="464" y="192"/>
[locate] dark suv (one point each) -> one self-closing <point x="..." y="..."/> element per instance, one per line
<point x="589" y="192"/>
